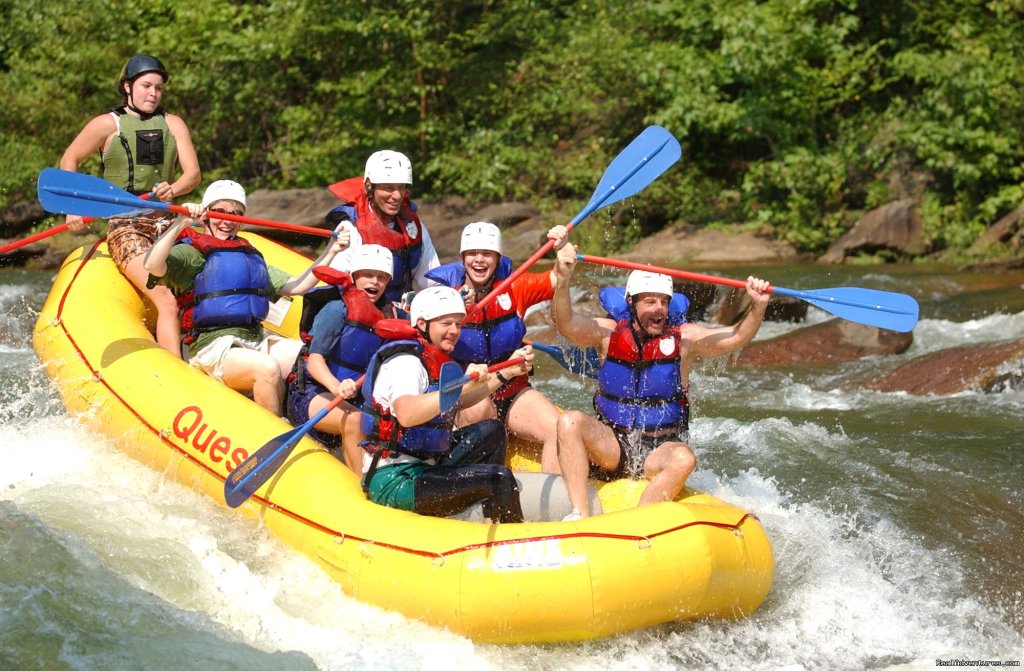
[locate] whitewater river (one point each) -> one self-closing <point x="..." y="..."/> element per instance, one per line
<point x="897" y="524"/>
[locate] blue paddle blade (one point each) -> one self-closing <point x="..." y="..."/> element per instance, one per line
<point x="261" y="465"/>
<point x="258" y="467"/>
<point x="450" y="383"/>
<point x="66" y="192"/>
<point x="883" y="309"/>
<point x="636" y="166"/>
<point x="577" y="360"/>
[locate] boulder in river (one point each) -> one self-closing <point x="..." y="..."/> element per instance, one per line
<point x="828" y="342"/>
<point x="987" y="367"/>
<point x="894" y="228"/>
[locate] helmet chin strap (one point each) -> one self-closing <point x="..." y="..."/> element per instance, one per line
<point x="424" y="334"/>
<point x="209" y="227"/>
<point x="639" y="333"/>
<point x="131" y="105"/>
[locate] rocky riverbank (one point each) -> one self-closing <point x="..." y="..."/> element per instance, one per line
<point x="893" y="231"/>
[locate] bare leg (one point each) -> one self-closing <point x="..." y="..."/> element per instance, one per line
<point x="533" y="417"/>
<point x="667" y="468"/>
<point x="341" y="421"/>
<point x="476" y="413"/>
<point x="583" y="439"/>
<point x="249" y="370"/>
<point x="351" y="436"/>
<point x="285" y="351"/>
<point x="168" y="327"/>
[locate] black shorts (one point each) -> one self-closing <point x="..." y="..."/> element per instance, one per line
<point x="502" y="406"/>
<point x="634" y="447"/>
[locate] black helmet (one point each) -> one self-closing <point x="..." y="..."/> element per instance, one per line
<point x="140" y="64"/>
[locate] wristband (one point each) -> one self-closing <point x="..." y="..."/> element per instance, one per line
<point x="501" y="377"/>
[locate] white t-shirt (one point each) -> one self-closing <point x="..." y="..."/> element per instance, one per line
<point x="428" y="257"/>
<point x="401" y="375"/>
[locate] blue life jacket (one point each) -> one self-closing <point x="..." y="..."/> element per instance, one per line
<point x="489" y="335"/>
<point x="231" y="287"/>
<point x="383" y="431"/>
<point x="357" y="341"/>
<point x="613" y="300"/>
<point x="639" y="384"/>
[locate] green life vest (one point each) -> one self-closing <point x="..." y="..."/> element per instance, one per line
<point x="143" y="153"/>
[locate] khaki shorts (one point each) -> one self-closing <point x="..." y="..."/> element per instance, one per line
<point x="210" y="359"/>
<point x="127" y="238"/>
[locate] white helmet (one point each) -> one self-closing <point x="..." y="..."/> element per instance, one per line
<point x="644" y="281"/>
<point x="388" y="167"/>
<point x="223" y="189"/>
<point x="373" y="257"/>
<point x="434" y="302"/>
<point x="481" y="235"/>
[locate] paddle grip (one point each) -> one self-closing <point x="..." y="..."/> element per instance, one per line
<point x="470" y="377"/>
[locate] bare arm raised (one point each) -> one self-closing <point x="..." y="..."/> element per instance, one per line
<point x="304" y="281"/>
<point x="583" y="331"/>
<point x="712" y="342"/>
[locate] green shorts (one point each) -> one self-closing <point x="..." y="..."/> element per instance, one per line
<point x="395" y="486"/>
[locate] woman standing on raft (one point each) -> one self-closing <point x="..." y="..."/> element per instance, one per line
<point x="140" y="148"/>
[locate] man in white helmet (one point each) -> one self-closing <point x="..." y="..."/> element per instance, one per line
<point x="336" y="328"/>
<point x="223" y="303"/>
<point x="642" y="423"/>
<point x="378" y="211"/>
<point x="494" y="333"/>
<point x="414" y="460"/>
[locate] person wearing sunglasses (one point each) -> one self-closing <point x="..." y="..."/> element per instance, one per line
<point x="141" y="149"/>
<point x="224" y="289"/>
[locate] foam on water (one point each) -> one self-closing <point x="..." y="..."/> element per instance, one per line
<point x="932" y="335"/>
<point x="201" y="557"/>
<point x="848" y="594"/>
<point x="853" y="589"/>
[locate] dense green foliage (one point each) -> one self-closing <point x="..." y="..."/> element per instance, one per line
<point x="794" y="116"/>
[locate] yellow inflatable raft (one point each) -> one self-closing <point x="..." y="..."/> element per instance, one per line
<point x="631" y="567"/>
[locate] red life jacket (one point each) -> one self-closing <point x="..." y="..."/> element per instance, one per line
<point x="405" y="240"/>
<point x="639" y="385"/>
<point x="357" y="341"/>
